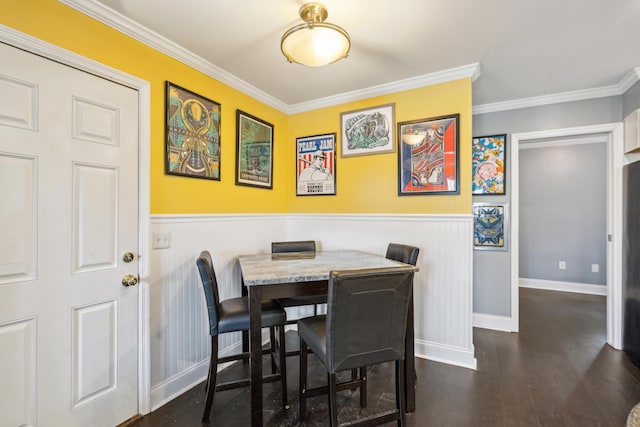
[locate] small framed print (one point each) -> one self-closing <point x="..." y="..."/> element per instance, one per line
<point x="488" y="165"/>
<point x="254" y="151"/>
<point x="192" y="134"/>
<point x="316" y="165"/>
<point x="367" y="131"/>
<point x="490" y="226"/>
<point x="428" y="156"/>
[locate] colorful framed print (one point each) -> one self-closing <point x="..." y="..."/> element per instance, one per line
<point x="254" y="151"/>
<point x="490" y="226"/>
<point x="428" y="156"/>
<point x="192" y="134"/>
<point x="367" y="131"/>
<point x="488" y="164"/>
<point x="316" y="165"/>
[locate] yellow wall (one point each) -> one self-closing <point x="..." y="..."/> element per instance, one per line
<point x="364" y="184"/>
<point x="56" y="23"/>
<point x="369" y="184"/>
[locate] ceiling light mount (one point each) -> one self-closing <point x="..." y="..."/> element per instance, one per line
<point x="315" y="43"/>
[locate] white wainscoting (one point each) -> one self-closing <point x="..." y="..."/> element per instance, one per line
<point x="178" y="326"/>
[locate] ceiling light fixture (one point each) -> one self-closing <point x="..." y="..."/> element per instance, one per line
<point x="315" y="43"/>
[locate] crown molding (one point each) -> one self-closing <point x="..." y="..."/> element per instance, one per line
<point x="113" y="19"/>
<point x="577" y="95"/>
<point x="127" y="26"/>
<point x="466" y="71"/>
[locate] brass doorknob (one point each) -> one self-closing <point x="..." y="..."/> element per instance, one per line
<point x="128" y="257"/>
<point x="129" y="280"/>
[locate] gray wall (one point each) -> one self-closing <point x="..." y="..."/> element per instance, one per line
<point x="491" y="275"/>
<point x="563" y="212"/>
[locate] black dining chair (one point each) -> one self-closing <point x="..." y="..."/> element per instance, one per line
<point x="232" y="315"/>
<point x="409" y="255"/>
<point x="402" y="253"/>
<point x="365" y="325"/>
<point x="305" y="300"/>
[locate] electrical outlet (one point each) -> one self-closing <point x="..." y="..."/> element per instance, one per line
<point x="562" y="265"/>
<point x="595" y="268"/>
<point x="161" y="240"/>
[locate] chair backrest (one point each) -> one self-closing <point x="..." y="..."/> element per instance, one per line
<point x="402" y="253"/>
<point x="210" y="287"/>
<point x="367" y="316"/>
<point x="295" y="246"/>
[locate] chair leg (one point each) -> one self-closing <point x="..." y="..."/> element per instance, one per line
<point x="272" y="338"/>
<point x="302" y="389"/>
<point x="333" y="410"/>
<point x="400" y="395"/>
<point x="211" y="379"/>
<point x="363" y="387"/>
<point x="283" y="366"/>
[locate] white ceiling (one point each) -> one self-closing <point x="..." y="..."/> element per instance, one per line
<point x="536" y="50"/>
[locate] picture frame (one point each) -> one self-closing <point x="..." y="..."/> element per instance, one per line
<point x="490" y="226"/>
<point x="488" y="165"/>
<point x="428" y="160"/>
<point x="192" y="134"/>
<point x="254" y="151"/>
<point x="367" y="131"/>
<point x="316" y="165"/>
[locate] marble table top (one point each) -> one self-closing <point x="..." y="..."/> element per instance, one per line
<point x="265" y="269"/>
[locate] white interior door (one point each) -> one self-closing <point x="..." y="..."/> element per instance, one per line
<point x="68" y="214"/>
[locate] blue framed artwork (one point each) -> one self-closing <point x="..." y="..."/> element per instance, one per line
<point x="488" y="165"/>
<point x="490" y="226"/>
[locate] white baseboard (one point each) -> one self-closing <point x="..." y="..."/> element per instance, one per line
<point x="176" y="385"/>
<point x="491" y="321"/>
<point x="550" y="285"/>
<point x="187" y="379"/>
<point x="445" y="354"/>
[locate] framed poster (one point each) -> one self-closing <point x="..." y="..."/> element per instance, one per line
<point x="316" y="165"/>
<point x="367" y="131"/>
<point x="192" y="131"/>
<point x="428" y="156"/>
<point x="254" y="151"/>
<point x="490" y="226"/>
<point x="488" y="164"/>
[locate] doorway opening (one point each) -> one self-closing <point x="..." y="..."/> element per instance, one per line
<point x="613" y="134"/>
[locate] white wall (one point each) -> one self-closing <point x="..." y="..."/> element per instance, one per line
<point x="178" y="327"/>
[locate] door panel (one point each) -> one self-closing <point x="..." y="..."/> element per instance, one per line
<point x="18" y="218"/>
<point x="69" y="191"/>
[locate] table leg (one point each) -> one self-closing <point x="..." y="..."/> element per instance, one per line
<point x="255" y="343"/>
<point x="245" y="334"/>
<point x="410" y="362"/>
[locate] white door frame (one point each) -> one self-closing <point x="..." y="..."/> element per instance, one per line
<point x="63" y="56"/>
<point x="615" y="162"/>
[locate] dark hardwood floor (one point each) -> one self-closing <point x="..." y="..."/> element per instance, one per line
<point x="558" y="371"/>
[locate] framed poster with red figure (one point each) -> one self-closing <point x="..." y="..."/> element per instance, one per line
<point x="428" y="161"/>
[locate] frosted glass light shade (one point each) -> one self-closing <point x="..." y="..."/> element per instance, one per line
<point x="315" y="45"/>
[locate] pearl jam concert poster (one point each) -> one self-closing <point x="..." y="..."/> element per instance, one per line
<point x="316" y="165"/>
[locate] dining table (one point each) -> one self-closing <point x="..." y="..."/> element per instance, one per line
<point x="284" y="275"/>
